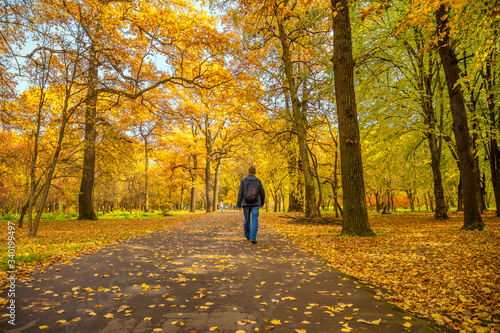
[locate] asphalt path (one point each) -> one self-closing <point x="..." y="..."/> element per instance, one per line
<point x="202" y="276"/>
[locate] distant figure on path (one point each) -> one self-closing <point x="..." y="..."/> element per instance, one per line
<point x="251" y="197"/>
<point x="221" y="205"/>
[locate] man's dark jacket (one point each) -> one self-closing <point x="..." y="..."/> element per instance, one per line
<point x="262" y="194"/>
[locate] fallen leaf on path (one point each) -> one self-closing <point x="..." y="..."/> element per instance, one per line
<point x="373" y="322"/>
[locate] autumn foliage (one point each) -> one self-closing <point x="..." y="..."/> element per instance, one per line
<point x="344" y="107"/>
<point x="432" y="269"/>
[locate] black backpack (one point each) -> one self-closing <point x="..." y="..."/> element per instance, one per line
<point x="251" y="191"/>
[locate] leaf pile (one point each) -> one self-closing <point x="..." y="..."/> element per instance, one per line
<point x="428" y="267"/>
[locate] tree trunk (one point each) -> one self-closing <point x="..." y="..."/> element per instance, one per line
<point x="472" y="209"/>
<point x="85" y="200"/>
<point x="355" y="218"/>
<point x="208" y="185"/>
<point x="311" y="210"/>
<point x="31" y="201"/>
<point x="194" y="179"/>
<point x="48" y="180"/>
<point x="181" y="204"/>
<point x="494" y="157"/>
<point x="146" y="176"/>
<point x="216" y="184"/>
<point x="294" y="201"/>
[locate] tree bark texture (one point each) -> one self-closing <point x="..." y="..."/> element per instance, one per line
<point x="355" y="217"/>
<point x="85" y="197"/>
<point x="472" y="208"/>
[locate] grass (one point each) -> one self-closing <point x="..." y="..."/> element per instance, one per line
<point x="100" y="215"/>
<point x="60" y="238"/>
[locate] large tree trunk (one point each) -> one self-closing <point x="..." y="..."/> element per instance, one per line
<point x="472" y="209"/>
<point x="355" y="217"/>
<point x="311" y="210"/>
<point x="85" y="197"/>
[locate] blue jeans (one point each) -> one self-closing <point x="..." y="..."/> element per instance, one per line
<point x="251" y="224"/>
<point x="221" y="209"/>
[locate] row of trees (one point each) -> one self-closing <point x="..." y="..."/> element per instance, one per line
<point x="407" y="66"/>
<point x="151" y="104"/>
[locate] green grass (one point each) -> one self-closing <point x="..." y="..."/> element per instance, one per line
<point x="100" y="215"/>
<point x="29" y="258"/>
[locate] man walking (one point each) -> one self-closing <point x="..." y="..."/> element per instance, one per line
<point x="251" y="197"/>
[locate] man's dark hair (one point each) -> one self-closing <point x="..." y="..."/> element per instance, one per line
<point x="252" y="170"/>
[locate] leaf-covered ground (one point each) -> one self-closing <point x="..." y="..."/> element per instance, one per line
<point x="61" y="240"/>
<point x="201" y="275"/>
<point x="428" y="267"/>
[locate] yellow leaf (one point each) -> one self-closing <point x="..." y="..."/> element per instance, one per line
<point x="275" y="322"/>
<point x="148" y="318"/>
<point x="407" y="318"/>
<point x="300" y="331"/>
<point x="407" y="325"/>
<point x="62" y="321"/>
<point x="109" y="315"/>
<point x="42" y="327"/>
<point x="213" y="328"/>
<point x="158" y="330"/>
<point x="346" y="329"/>
<point x="257" y="296"/>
